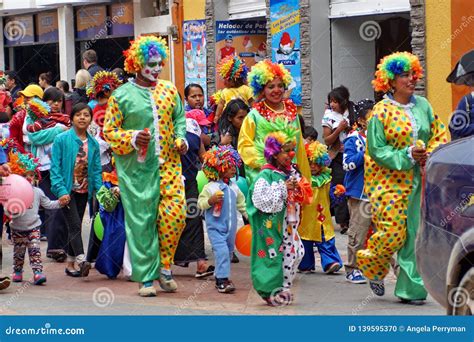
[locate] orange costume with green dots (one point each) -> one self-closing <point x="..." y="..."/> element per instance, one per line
<point x="393" y="184"/>
<point x="152" y="192"/>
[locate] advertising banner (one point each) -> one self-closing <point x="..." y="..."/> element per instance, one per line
<point x="194" y="40"/>
<point x="47" y="27"/>
<point x="245" y="38"/>
<point x="285" y="29"/>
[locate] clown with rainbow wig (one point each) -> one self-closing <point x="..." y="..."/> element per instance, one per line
<point x="146" y="115"/>
<point x="274" y="207"/>
<point x="234" y="72"/>
<point x="321" y="233"/>
<point x="220" y="199"/>
<point x="401" y="134"/>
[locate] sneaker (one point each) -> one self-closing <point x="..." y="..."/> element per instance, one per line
<point x="355" y="277"/>
<point x="39" y="278"/>
<point x="167" y="282"/>
<point x="17" y="277"/>
<point x="377" y="287"/>
<point x="225" y="286"/>
<point x="147" y="290"/>
<point x="412" y="301"/>
<point x="235" y="258"/>
<point x="4" y="282"/>
<point x="333" y="268"/>
<point x="208" y="272"/>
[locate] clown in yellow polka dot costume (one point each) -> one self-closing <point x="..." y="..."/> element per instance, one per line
<point x="152" y="192"/>
<point x="394" y="161"/>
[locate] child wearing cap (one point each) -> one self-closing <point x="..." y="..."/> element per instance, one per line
<point x="26" y="227"/>
<point x="358" y="202"/>
<point x="221" y="198"/>
<point x="321" y="233"/>
<point x="234" y="72"/>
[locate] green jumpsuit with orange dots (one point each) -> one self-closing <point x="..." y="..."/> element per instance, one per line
<point x="393" y="183"/>
<point x="152" y="192"/>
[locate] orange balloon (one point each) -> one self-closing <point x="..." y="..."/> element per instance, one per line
<point x="243" y="240"/>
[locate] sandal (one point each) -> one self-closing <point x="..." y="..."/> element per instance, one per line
<point x="208" y="272"/>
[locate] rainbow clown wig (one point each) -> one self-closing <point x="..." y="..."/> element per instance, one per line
<point x="219" y="159"/>
<point x="264" y="72"/>
<point x="21" y="163"/>
<point x="38" y="109"/>
<point x="141" y="50"/>
<point x="318" y="153"/>
<point x="103" y="81"/>
<point x="277" y="134"/>
<point x="395" y="64"/>
<point x="232" y="68"/>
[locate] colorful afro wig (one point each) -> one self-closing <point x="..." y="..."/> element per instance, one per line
<point x="277" y="134"/>
<point x="318" y="153"/>
<point x="141" y="50"/>
<point x="232" y="68"/>
<point x="264" y="72"/>
<point x="38" y="109"/>
<point x="21" y="163"/>
<point x="103" y="81"/>
<point x="219" y="159"/>
<point x="395" y="64"/>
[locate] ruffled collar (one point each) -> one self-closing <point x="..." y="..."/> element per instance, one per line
<point x="409" y="105"/>
<point x="323" y="178"/>
<point x="290" y="111"/>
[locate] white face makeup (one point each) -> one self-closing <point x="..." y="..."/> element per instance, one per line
<point x="152" y="69"/>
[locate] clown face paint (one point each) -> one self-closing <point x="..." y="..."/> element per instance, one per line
<point x="152" y="69"/>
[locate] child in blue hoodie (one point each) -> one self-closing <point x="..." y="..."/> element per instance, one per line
<point x="358" y="203"/>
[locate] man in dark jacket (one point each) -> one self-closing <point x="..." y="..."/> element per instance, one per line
<point x="13" y="84"/>
<point x="461" y="124"/>
<point x="89" y="60"/>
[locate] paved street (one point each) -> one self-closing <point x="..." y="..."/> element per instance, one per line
<point x="315" y="294"/>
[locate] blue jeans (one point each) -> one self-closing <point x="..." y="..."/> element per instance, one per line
<point x="222" y="242"/>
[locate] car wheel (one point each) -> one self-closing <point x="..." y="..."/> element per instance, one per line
<point x="461" y="297"/>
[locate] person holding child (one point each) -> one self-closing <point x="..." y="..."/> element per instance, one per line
<point x="321" y="234"/>
<point x="234" y="72"/>
<point x="221" y="198"/>
<point x="402" y="132"/>
<point x="274" y="209"/>
<point x="25" y="227"/>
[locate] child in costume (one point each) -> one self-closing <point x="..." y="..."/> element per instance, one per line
<point x="358" y="202"/>
<point x="221" y="198"/>
<point x="402" y="132"/>
<point x="321" y="234"/>
<point x="100" y="89"/>
<point x="25" y="228"/>
<point x="5" y="98"/>
<point x="46" y="113"/>
<point x="111" y="252"/>
<point x="145" y="117"/>
<point x="234" y="72"/>
<point x="274" y="210"/>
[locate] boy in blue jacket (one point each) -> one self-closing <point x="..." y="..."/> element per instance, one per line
<point x="358" y="203"/>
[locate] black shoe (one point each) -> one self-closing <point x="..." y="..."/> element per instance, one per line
<point x="412" y="301"/>
<point x="377" y="287"/>
<point x="344" y="229"/>
<point x="235" y="259"/>
<point x="208" y="272"/>
<point x="224" y="286"/>
<point x="74" y="274"/>
<point x="85" y="267"/>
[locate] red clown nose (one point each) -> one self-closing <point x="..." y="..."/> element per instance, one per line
<point x="291" y="154"/>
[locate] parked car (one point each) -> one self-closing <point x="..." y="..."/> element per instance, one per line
<point x="445" y="241"/>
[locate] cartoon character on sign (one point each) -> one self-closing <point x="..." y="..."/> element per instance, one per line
<point x="189" y="55"/>
<point x="286" y="44"/>
<point x="247" y="43"/>
<point x="261" y="52"/>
